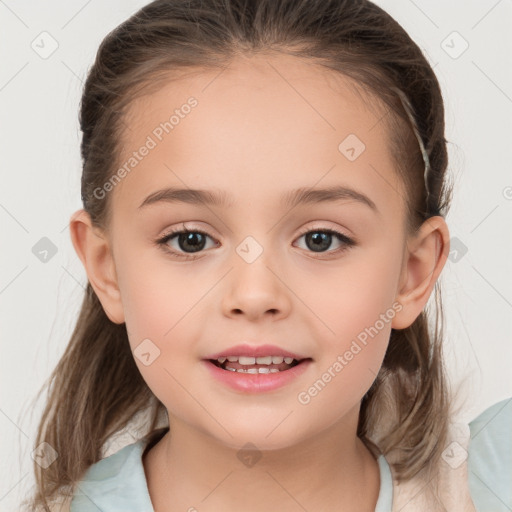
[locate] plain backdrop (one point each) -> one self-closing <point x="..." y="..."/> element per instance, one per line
<point x="468" y="43"/>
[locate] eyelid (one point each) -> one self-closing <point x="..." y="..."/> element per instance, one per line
<point x="302" y="231"/>
<point x="323" y="227"/>
<point x="170" y="233"/>
<point x="182" y="228"/>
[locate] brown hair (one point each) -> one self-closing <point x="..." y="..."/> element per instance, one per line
<point x="96" y="389"/>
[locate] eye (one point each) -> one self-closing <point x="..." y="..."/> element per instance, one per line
<point x="187" y="240"/>
<point x="194" y="240"/>
<point x="319" y="240"/>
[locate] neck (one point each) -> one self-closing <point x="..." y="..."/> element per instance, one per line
<point x="187" y="469"/>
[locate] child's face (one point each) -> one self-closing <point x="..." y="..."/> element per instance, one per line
<point x="261" y="129"/>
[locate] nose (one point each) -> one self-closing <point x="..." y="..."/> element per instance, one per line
<point x="256" y="290"/>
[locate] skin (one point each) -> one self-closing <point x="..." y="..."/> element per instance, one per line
<point x="257" y="136"/>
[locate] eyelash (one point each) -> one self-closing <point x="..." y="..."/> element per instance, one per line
<point x="162" y="241"/>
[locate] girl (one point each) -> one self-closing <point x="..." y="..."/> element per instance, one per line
<point x="264" y="191"/>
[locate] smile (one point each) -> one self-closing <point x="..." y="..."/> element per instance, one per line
<point x="256" y="375"/>
<point x="263" y="364"/>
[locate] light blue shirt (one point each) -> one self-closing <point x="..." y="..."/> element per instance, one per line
<point x="117" y="483"/>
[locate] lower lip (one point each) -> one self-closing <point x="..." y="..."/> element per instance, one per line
<point x="257" y="382"/>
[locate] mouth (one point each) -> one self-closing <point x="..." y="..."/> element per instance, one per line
<point x="257" y="365"/>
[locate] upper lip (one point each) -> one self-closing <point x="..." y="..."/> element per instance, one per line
<point x="255" y="351"/>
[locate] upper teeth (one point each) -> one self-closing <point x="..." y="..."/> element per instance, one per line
<point x="256" y="360"/>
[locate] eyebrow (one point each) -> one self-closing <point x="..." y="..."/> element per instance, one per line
<point x="289" y="200"/>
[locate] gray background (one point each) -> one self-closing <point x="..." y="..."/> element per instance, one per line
<point x="41" y="175"/>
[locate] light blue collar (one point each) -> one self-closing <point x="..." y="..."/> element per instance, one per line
<point x="118" y="483"/>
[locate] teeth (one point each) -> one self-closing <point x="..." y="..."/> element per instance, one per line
<point x="256" y="360"/>
<point x="246" y="360"/>
<point x="255" y="370"/>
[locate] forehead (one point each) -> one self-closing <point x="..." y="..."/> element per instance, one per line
<point x="264" y="123"/>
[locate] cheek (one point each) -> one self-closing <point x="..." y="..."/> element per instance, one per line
<point x="342" y="382"/>
<point x="352" y="297"/>
<point x="356" y="305"/>
<point x="162" y="307"/>
<point x="158" y="296"/>
<point x="351" y="358"/>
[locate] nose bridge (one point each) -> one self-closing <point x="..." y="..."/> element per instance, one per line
<point x="254" y="262"/>
<point x="255" y="286"/>
<point x="251" y="250"/>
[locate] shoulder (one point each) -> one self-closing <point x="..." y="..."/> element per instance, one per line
<point x="116" y="479"/>
<point x="490" y="458"/>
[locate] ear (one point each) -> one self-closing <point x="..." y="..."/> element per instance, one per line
<point x="425" y="257"/>
<point x="93" y="248"/>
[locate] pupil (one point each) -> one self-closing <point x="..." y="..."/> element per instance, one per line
<point x="322" y="239"/>
<point x="191" y="239"/>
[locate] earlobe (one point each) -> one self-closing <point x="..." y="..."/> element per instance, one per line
<point x="424" y="260"/>
<point x="94" y="251"/>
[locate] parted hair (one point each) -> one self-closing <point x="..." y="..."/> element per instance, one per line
<point x="96" y="389"/>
